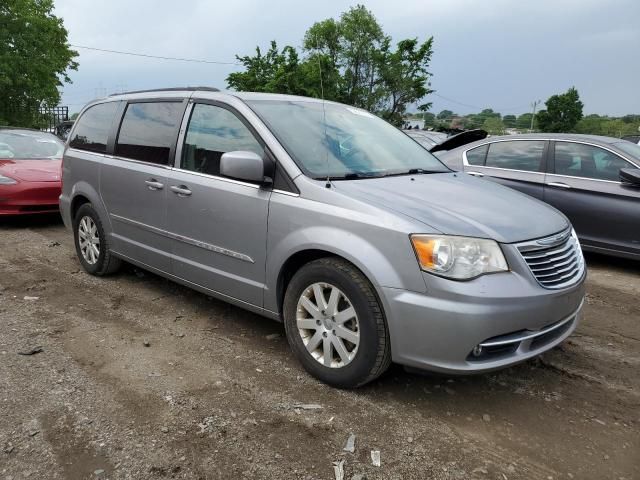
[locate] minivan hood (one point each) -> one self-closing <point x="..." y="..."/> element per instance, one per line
<point x="458" y="204"/>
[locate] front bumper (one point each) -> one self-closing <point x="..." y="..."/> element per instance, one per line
<point x="509" y="314"/>
<point x="29" y="197"/>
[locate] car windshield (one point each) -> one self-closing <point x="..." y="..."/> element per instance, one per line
<point x="26" y="145"/>
<point x="341" y="141"/>
<point x="629" y="148"/>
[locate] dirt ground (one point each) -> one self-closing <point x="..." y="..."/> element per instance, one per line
<point x="217" y="393"/>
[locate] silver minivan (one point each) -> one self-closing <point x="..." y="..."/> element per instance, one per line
<point x="327" y="218"/>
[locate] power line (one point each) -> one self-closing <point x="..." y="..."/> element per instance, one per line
<point x="159" y="57"/>
<point x="474" y="106"/>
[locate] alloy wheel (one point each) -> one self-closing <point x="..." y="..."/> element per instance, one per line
<point x="328" y="325"/>
<point x="89" y="240"/>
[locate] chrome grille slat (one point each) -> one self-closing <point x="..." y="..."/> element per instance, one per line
<point x="556" y="266"/>
<point x="552" y="259"/>
<point x="546" y="254"/>
<point x="572" y="266"/>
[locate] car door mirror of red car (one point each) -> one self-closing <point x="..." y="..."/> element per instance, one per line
<point x="630" y="176"/>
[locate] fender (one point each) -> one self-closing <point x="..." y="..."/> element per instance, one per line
<point x="85" y="189"/>
<point x="401" y="271"/>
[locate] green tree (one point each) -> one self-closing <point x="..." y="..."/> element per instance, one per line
<point x="357" y="63"/>
<point x="35" y="59"/>
<point x="563" y="112"/>
<point x="523" y="121"/>
<point x="445" y="115"/>
<point x="493" y="125"/>
<point x="509" y="121"/>
<point x="429" y="119"/>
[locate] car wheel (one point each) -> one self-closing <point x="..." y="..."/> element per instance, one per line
<point x="335" y="325"/>
<point x="91" y="242"/>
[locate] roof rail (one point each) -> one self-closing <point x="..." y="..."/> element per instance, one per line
<point x="171" y="89"/>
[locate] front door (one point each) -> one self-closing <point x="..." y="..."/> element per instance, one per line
<point x="133" y="182"/>
<point x="584" y="184"/>
<point x="218" y="225"/>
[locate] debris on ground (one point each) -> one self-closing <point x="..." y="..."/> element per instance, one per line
<point x="273" y="336"/>
<point x="338" y="470"/>
<point x="307" y="406"/>
<point x="32" y="351"/>
<point x="32" y="299"/>
<point x="375" y="458"/>
<point x="351" y="444"/>
<point x="486" y="417"/>
<point x="146" y="343"/>
<point x="53" y="244"/>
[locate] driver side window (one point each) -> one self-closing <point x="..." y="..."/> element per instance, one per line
<point x="213" y="131"/>
<point x="587" y="161"/>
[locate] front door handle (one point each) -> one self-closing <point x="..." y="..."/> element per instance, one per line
<point x="181" y="191"/>
<point x="476" y="174"/>
<point x="559" y="185"/>
<point x="153" y="184"/>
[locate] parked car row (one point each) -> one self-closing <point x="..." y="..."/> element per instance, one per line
<point x="368" y="247"/>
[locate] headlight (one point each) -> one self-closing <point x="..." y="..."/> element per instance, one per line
<point x="6" y="180"/>
<point x="461" y="258"/>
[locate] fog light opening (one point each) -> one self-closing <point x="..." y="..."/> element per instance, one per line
<point x="477" y="351"/>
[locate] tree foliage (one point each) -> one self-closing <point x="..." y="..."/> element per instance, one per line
<point x="349" y="60"/>
<point x="35" y="59"/>
<point x="563" y="112"/>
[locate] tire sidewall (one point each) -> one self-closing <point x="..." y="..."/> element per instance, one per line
<point x="87" y="210"/>
<point x="359" y="369"/>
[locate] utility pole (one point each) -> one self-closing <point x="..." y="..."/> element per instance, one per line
<point x="533" y="116"/>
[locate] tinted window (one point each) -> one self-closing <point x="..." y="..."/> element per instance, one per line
<point x="148" y="131"/>
<point x="477" y="155"/>
<point x="516" y="155"/>
<point x="213" y="131"/>
<point x="579" y="160"/>
<point x="93" y="127"/>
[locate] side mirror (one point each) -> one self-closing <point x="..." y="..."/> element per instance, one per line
<point x="630" y="176"/>
<point x="241" y="165"/>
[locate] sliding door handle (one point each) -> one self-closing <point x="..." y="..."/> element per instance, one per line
<point x="476" y="174"/>
<point x="153" y="184"/>
<point x="181" y="191"/>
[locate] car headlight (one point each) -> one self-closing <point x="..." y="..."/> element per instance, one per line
<point x="6" y="180"/>
<point x="460" y="258"/>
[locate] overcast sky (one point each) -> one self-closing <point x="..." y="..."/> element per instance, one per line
<point x="487" y="54"/>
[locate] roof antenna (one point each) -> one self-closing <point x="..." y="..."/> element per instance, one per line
<point x="324" y="113"/>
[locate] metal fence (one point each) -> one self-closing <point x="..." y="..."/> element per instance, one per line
<point x="53" y="116"/>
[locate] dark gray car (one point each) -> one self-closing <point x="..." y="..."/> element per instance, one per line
<point x="593" y="180"/>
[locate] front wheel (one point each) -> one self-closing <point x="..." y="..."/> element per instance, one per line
<point x="335" y="325"/>
<point x="91" y="243"/>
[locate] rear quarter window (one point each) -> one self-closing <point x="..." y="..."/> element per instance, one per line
<point x="92" y="129"/>
<point x="477" y="155"/>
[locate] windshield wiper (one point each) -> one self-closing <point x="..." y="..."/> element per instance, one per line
<point x="357" y="176"/>
<point x="413" y="171"/>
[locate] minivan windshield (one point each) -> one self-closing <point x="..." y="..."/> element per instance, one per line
<point x="342" y="142"/>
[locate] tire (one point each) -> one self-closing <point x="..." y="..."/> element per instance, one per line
<point x="368" y="356"/>
<point x="105" y="263"/>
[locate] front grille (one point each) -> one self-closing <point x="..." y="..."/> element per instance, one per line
<point x="556" y="262"/>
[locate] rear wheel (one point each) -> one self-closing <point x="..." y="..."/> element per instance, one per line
<point x="335" y="325"/>
<point x="92" y="247"/>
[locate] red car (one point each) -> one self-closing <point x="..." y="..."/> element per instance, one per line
<point x="30" y="167"/>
